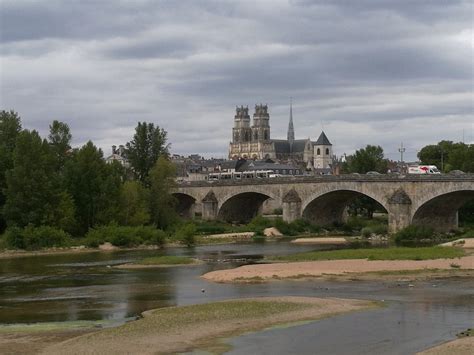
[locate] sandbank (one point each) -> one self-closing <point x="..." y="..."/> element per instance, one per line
<point x="467" y="243"/>
<point x="332" y="267"/>
<point x="462" y="346"/>
<point x="179" y="329"/>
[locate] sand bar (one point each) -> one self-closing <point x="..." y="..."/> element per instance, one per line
<point x="467" y="243"/>
<point x="462" y="346"/>
<point x="332" y="267"/>
<point x="149" y="336"/>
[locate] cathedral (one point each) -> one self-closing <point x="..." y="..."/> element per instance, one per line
<point x="251" y="140"/>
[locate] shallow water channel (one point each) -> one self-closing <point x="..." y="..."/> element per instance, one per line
<point x="84" y="286"/>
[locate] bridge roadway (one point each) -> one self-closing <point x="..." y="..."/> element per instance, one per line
<point x="431" y="200"/>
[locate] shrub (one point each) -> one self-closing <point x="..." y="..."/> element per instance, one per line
<point x="186" y="234"/>
<point x="14" y="238"/>
<point x="258" y="224"/>
<point x="366" y="232"/>
<point x="468" y="234"/>
<point x="124" y="236"/>
<point x="34" y="238"/>
<point x="413" y="235"/>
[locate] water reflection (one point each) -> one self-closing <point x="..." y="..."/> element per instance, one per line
<point x="83" y="287"/>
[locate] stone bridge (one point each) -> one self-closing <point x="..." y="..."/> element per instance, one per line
<point x="431" y="200"/>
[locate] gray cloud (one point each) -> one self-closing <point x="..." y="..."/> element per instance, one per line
<point x="368" y="71"/>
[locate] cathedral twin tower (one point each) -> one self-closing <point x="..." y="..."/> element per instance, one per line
<point x="252" y="141"/>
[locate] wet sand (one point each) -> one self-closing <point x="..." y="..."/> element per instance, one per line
<point x="332" y="267"/>
<point x="462" y="346"/>
<point x="146" y="336"/>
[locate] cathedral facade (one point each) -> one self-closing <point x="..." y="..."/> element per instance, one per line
<point x="252" y="140"/>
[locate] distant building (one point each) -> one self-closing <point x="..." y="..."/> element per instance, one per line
<point x="118" y="155"/>
<point x="253" y="141"/>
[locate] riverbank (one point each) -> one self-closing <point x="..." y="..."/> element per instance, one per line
<point x="461" y="346"/>
<point x="267" y="272"/>
<point x="179" y="329"/>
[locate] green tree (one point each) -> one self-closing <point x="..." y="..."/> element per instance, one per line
<point x="162" y="203"/>
<point x="94" y="187"/>
<point x="133" y="204"/>
<point x="33" y="195"/>
<point x="10" y="127"/>
<point x="147" y="145"/>
<point x="60" y="141"/>
<point x="448" y="156"/>
<point x="370" y="158"/>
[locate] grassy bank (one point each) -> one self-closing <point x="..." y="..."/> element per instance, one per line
<point x="401" y="253"/>
<point x="178" y="329"/>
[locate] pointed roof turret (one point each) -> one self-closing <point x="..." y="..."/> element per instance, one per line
<point x="323" y="140"/>
<point x="291" y="129"/>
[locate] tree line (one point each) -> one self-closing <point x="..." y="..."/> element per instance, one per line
<point x="46" y="182"/>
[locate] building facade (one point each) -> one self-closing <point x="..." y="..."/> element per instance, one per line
<point x="252" y="140"/>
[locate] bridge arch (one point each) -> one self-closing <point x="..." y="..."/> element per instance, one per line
<point x="328" y="207"/>
<point x="441" y="212"/>
<point x="242" y="207"/>
<point x="184" y="204"/>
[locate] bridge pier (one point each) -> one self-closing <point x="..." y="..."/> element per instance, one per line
<point x="209" y="207"/>
<point x="291" y="206"/>
<point x="399" y="213"/>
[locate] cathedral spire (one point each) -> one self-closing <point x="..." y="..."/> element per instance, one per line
<point x="291" y="129"/>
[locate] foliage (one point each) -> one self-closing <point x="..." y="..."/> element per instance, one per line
<point x="161" y="202"/>
<point x="34" y="238"/>
<point x="399" y="253"/>
<point x="134" y="204"/>
<point x="146" y="147"/>
<point x="34" y="195"/>
<point x="10" y="127"/>
<point x="365" y="206"/>
<point x="94" y="186"/>
<point x="60" y="141"/>
<point x="370" y="158"/>
<point x="448" y="156"/>
<point x="414" y="234"/>
<point x="186" y="234"/>
<point x="166" y="260"/>
<point x="124" y="236"/>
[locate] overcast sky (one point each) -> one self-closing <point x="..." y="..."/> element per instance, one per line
<point x="367" y="71"/>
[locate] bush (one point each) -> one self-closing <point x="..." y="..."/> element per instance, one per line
<point x="34" y="238"/>
<point x="124" y="236"/>
<point x="366" y="232"/>
<point x="186" y="234"/>
<point x="413" y="235"/>
<point x="468" y="234"/>
<point x="258" y="224"/>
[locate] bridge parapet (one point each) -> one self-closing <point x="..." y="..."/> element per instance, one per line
<point x="323" y="199"/>
<point x="332" y="178"/>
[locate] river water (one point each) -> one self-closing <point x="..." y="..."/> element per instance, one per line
<point x="85" y="287"/>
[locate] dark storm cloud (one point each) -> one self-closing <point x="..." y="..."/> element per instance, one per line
<point x="367" y="71"/>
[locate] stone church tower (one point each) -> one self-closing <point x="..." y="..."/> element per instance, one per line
<point x="241" y="133"/>
<point x="322" y="152"/>
<point x="251" y="141"/>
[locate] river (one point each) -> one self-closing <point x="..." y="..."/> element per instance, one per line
<point x="86" y="287"/>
